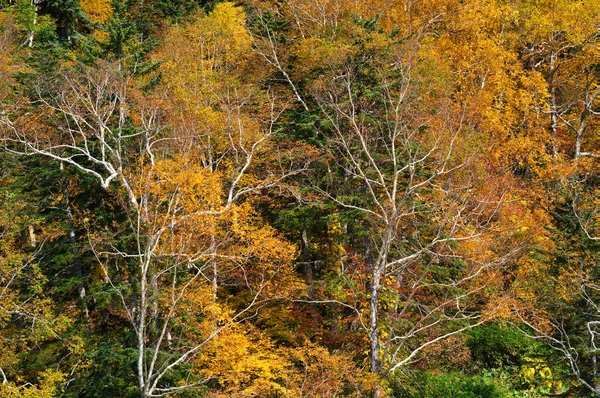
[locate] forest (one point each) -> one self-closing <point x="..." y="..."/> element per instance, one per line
<point x="299" y="198"/>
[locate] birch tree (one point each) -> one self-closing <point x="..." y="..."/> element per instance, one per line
<point x="188" y="238"/>
<point x="404" y="159"/>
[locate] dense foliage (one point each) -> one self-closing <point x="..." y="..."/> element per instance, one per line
<point x="299" y="198"/>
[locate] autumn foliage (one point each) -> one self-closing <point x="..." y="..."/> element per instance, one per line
<point x="299" y="198"/>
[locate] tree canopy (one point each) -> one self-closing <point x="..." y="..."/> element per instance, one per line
<point x="299" y="198"/>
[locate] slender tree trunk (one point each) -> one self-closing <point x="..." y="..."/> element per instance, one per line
<point x="553" y="106"/>
<point x="215" y="271"/>
<point x="579" y="138"/>
<point x="32" y="236"/>
<point x="377" y="274"/>
<point x="595" y="367"/>
<point x="373" y="318"/>
<point x="141" y="333"/>
<point x="31" y="34"/>
<point x="554" y="127"/>
<point x="153" y="296"/>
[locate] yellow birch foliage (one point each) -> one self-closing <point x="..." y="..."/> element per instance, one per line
<point x="320" y="373"/>
<point x="209" y="78"/>
<point x="99" y="11"/>
<point x="196" y="196"/>
<point x="47" y="388"/>
<point x="245" y="364"/>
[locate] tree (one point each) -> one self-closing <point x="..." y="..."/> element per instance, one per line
<point x="434" y="161"/>
<point x="559" y="39"/>
<point x="191" y="260"/>
<point x="565" y="313"/>
<point x="404" y="162"/>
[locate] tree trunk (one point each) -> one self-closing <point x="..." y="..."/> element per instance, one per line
<point x="373" y="318"/>
<point x="377" y="274"/>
